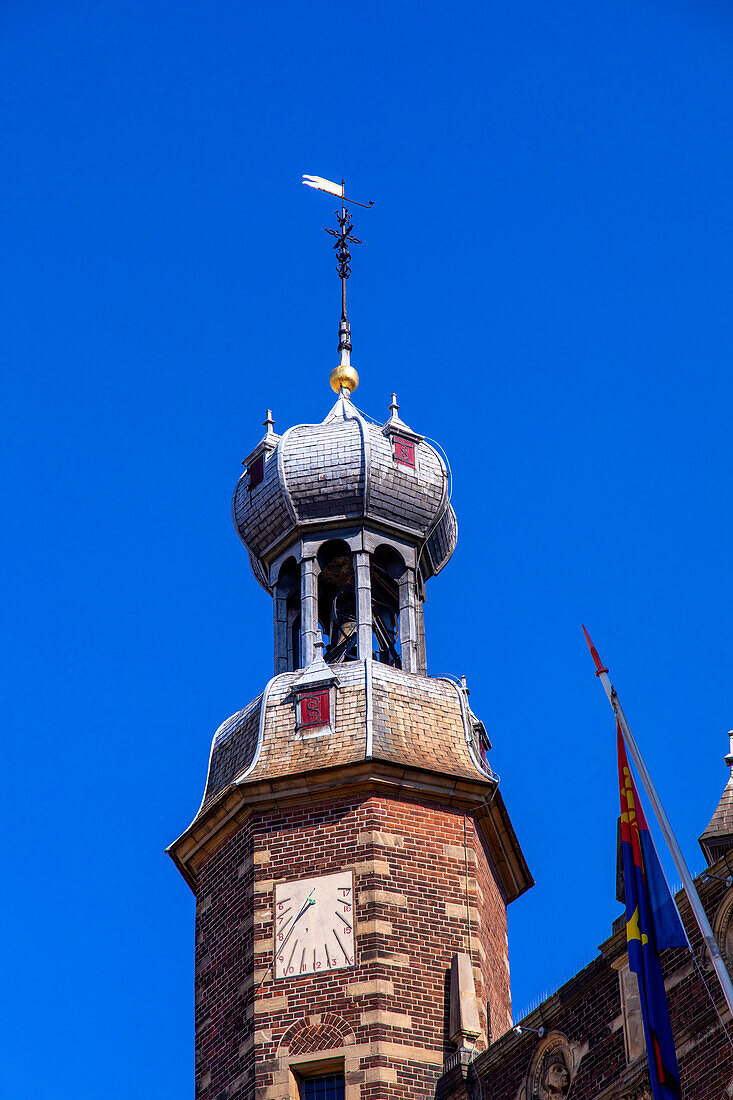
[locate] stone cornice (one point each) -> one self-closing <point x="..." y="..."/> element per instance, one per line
<point x="483" y="799"/>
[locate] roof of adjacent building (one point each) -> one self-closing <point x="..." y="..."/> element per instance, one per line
<point x="718" y="837"/>
<point x="344" y="470"/>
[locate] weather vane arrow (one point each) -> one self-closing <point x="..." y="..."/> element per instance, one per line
<point x="338" y="189"/>
<point x="344" y="376"/>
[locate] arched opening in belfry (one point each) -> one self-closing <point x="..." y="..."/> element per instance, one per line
<point x="337" y="601"/>
<point x="387" y="571"/>
<point x="288" y="590"/>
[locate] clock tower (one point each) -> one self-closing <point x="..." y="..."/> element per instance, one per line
<point x="352" y="858"/>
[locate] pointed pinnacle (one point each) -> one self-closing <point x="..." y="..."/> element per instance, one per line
<point x="594" y="654"/>
<point x="268" y="422"/>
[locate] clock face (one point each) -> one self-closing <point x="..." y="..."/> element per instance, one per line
<point x="314" y="925"/>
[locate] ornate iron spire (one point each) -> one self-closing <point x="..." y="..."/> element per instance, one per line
<point x="344" y="376"/>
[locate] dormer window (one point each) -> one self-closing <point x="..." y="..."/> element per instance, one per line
<point x="256" y="472"/>
<point x="482" y="742"/>
<point x="314" y="709"/>
<point x="404" y="451"/>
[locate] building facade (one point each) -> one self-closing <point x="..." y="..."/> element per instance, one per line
<point x="586" y="1041"/>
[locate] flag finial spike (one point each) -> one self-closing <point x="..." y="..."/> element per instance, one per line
<point x="600" y="667"/>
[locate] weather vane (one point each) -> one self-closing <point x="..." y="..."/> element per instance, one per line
<point x="343" y="376"/>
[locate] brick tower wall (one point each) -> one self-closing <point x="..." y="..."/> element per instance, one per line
<point x="387" y="1016"/>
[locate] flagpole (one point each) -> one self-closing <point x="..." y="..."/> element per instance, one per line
<point x="679" y="860"/>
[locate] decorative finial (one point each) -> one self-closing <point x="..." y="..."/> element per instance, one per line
<point x="729" y="757"/>
<point x="394" y="407"/>
<point x="344" y="376"/>
<point x="268" y="422"/>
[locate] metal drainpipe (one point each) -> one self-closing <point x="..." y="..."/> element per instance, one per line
<point x="468" y="908"/>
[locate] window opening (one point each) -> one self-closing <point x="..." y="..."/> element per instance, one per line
<point x="256" y="472"/>
<point x="386" y="569"/>
<point x="481" y="741"/>
<point x="323" y="1088"/>
<point x="404" y="451"/>
<point x="288" y="588"/>
<point x="294" y="654"/>
<point x="337" y="601"/>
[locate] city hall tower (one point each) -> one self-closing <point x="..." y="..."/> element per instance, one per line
<point x="352" y="859"/>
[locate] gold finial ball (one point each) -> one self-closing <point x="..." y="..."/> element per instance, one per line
<point x="343" y="377"/>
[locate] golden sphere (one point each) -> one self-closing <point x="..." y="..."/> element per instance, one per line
<point x="343" y="378"/>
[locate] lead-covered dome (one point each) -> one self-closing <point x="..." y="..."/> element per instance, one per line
<point x="346" y="469"/>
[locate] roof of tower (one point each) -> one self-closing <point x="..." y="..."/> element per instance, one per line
<point x="418" y="721"/>
<point x="344" y="469"/>
<point x="420" y="726"/>
<point x="718" y="837"/>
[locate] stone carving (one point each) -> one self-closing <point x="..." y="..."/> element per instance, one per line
<point x="555" y="1080"/>
<point x="723" y="928"/>
<point x="642" y="1090"/>
<point x="553" y="1067"/>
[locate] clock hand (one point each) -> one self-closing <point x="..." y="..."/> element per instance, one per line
<point x="338" y="941"/>
<point x="310" y="900"/>
<point x="291" y="954"/>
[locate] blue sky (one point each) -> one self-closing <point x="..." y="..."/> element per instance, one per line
<point x="545" y="280"/>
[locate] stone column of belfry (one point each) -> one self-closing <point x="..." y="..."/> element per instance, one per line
<point x="408" y="621"/>
<point x="363" y="580"/>
<point x="309" y="632"/>
<point x="352" y="841"/>
<point x="280" y="630"/>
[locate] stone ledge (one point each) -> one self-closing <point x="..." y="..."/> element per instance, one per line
<point x="265" y="1005"/>
<point x="382" y="897"/>
<point x="366" y="989"/>
<point x="381" y="839"/>
<point x="378" y="927"/>
<point x="382" y="1018"/>
<point x="455" y="851"/>
<point x="380" y="1075"/>
<point x="396" y="1052"/>
<point x="458" y="912"/>
<point x="373" y="867"/>
<point x="384" y="958"/>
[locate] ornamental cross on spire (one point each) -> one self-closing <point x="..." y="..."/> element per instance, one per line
<point x="344" y="376"/>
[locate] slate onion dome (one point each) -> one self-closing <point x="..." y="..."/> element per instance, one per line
<point x="345" y="469"/>
<point x="381" y="489"/>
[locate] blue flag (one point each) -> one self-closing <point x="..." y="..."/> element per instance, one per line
<point x="652" y="922"/>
